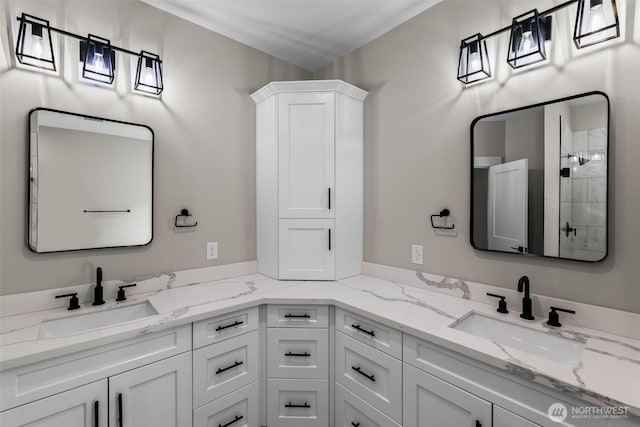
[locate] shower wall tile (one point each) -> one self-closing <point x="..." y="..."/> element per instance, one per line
<point x="565" y="189"/>
<point x="580" y="190"/>
<point x="597" y="189"/>
<point x="596" y="239"/>
<point x="579" y="241"/>
<point x="581" y="141"/>
<point x="597" y="139"/>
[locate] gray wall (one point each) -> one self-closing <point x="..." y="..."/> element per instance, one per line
<point x="204" y="126"/>
<point x="417" y="119"/>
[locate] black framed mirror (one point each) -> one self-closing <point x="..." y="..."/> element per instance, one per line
<point x="539" y="179"/>
<point x="90" y="182"/>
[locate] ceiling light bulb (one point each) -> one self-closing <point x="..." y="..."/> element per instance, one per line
<point x="475" y="62"/>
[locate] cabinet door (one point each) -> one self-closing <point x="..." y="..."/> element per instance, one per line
<point x="84" y="406"/>
<point x="430" y="402"/>
<point x="306" y="125"/>
<point x="157" y="395"/>
<point x="307" y="249"/>
<point x="504" y="418"/>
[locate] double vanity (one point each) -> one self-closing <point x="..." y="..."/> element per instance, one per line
<point x="362" y="351"/>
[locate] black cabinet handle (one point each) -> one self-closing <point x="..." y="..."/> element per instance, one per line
<point x="96" y="413"/>
<point x="290" y="405"/>
<point x="236" y="323"/>
<point x="329" y="239"/>
<point x="221" y="370"/>
<point x="235" y="420"/>
<point x="297" y="316"/>
<point x="478" y="423"/>
<point x="305" y="354"/>
<point x="371" y="377"/>
<point x="329" y="198"/>
<point x="372" y="333"/>
<point x="355" y="424"/>
<point x="121" y="415"/>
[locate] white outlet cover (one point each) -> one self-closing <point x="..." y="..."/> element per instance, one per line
<point x="212" y="250"/>
<point x="417" y="254"/>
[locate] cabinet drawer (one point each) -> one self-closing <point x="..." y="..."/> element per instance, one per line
<point x="369" y="332"/>
<point x="297" y="403"/>
<point x="297" y="316"/>
<point x="237" y="409"/>
<point x="352" y="411"/>
<point x="31" y="382"/>
<point x="220" y="328"/>
<point x="298" y="353"/>
<point x="370" y="374"/>
<point x="221" y="368"/>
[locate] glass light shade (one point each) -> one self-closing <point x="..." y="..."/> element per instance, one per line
<point x="34" y="46"/>
<point x="149" y="73"/>
<point x="596" y="21"/>
<point x="98" y="59"/>
<point x="473" y="63"/>
<point x="526" y="44"/>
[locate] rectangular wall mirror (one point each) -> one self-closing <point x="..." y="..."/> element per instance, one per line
<point x="539" y="179"/>
<point x="90" y="182"/>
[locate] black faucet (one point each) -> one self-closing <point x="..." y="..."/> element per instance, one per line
<point x="523" y="286"/>
<point x="97" y="292"/>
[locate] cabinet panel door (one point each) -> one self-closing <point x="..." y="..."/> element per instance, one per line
<point x="84" y="406"/>
<point x="504" y="418"/>
<point x="307" y="249"/>
<point x="306" y="123"/>
<point x="157" y="395"/>
<point x="430" y="402"/>
<point x="297" y="403"/>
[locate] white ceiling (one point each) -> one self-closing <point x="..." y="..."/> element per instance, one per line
<point x="308" y="33"/>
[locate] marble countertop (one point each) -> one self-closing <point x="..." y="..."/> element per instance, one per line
<point x="608" y="373"/>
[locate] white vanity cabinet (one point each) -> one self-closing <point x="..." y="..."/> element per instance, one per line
<point x="368" y="371"/>
<point x="226" y="370"/>
<point x="139" y="381"/>
<point x="309" y="179"/>
<point x="297" y="366"/>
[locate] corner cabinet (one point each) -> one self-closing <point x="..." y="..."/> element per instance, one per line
<point x="309" y="179"/>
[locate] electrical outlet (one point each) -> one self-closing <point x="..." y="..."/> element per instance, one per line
<point x="212" y="250"/>
<point x="416" y="254"/>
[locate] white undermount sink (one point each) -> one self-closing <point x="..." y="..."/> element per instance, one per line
<point x="94" y="320"/>
<point x="539" y="343"/>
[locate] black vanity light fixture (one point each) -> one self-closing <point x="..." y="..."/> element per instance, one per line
<point x="473" y="64"/>
<point x="34" y="47"/>
<point x="596" y="21"/>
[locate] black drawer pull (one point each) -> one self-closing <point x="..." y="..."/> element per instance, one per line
<point x="290" y="405"/>
<point x="371" y="377"/>
<point x="371" y="333"/>
<point x="355" y="424"/>
<point x="235" y="420"/>
<point x="297" y="316"/>
<point x="96" y="413"/>
<point x="236" y="323"/>
<point x="219" y="371"/>
<point x="121" y="415"/>
<point x="478" y="423"/>
<point x="305" y="354"/>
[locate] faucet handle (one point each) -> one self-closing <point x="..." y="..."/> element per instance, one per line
<point x="74" y="304"/>
<point x="554" y="318"/>
<point x="121" y="295"/>
<point x="502" y="304"/>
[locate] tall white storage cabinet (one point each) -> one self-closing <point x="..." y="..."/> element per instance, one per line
<point x="309" y="171"/>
